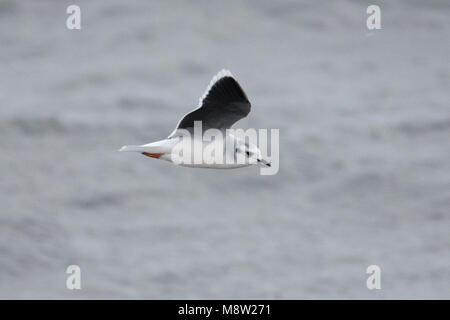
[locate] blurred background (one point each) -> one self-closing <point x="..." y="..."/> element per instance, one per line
<point x="364" y="176"/>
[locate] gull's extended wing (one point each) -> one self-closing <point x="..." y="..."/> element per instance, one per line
<point x="223" y="103"/>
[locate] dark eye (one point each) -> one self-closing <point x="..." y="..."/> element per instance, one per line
<point x="247" y="153"/>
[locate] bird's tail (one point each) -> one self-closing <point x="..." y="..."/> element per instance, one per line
<point x="162" y="146"/>
<point x="149" y="151"/>
<point x="133" y="149"/>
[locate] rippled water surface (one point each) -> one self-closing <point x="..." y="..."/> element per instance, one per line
<point x="364" y="174"/>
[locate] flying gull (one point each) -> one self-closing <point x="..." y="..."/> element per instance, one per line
<point x="223" y="103"/>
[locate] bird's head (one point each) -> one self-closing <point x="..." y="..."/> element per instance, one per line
<point x="251" y="154"/>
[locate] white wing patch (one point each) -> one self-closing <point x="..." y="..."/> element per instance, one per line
<point x="221" y="74"/>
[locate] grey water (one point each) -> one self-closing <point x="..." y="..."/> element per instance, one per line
<point x="364" y="175"/>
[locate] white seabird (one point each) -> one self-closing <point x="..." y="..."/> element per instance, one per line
<point x="223" y="103"/>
